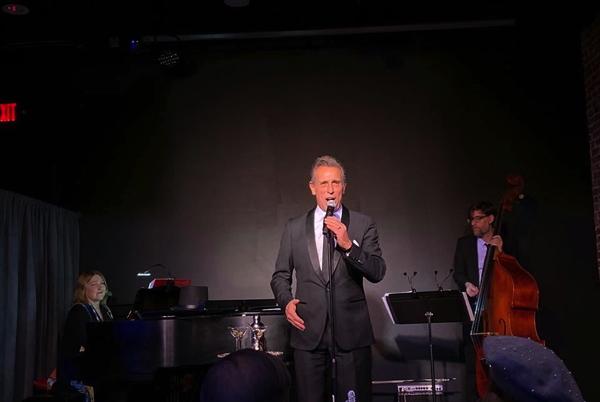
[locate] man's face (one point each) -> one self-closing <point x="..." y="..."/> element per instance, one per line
<point x="327" y="185"/>
<point x="481" y="223"/>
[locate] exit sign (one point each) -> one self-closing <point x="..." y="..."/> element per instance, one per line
<point x="8" y="112"/>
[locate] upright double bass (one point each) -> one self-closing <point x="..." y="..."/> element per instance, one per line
<point x="508" y="295"/>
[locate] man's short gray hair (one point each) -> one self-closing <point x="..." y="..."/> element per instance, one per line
<point x="327" y="160"/>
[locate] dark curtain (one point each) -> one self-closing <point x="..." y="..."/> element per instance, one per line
<point x="39" y="264"/>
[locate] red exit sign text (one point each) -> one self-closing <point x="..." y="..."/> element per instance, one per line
<point x="8" y="112"/>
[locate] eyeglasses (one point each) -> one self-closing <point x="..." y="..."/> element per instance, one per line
<point x="476" y="218"/>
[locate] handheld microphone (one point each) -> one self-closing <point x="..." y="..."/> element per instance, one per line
<point x="329" y="212"/>
<point x="413" y="290"/>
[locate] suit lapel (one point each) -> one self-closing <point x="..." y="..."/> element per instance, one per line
<point x="311" y="245"/>
<point x="337" y="255"/>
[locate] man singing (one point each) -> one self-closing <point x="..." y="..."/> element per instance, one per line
<point x="356" y="255"/>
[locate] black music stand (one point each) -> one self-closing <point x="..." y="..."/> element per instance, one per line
<point x="419" y="308"/>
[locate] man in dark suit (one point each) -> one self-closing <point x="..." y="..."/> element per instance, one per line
<point x="469" y="259"/>
<point x="318" y="300"/>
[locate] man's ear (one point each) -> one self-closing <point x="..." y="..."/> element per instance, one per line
<point x="312" y="188"/>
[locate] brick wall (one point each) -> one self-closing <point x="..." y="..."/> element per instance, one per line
<point x="591" y="68"/>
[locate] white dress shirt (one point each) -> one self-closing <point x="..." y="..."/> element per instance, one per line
<point x="319" y="217"/>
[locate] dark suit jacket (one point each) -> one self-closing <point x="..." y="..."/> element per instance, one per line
<point x="73" y="338"/>
<point x="465" y="262"/>
<point x="298" y="252"/>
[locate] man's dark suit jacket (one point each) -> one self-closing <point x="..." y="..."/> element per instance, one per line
<point x="465" y="262"/>
<point x="466" y="270"/>
<point x="298" y="252"/>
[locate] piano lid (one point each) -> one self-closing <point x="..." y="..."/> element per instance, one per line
<point x="212" y="308"/>
<point x="251" y="305"/>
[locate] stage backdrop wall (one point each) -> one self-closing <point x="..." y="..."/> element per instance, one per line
<point x="200" y="171"/>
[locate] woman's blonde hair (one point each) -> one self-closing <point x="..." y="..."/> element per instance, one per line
<point x="82" y="281"/>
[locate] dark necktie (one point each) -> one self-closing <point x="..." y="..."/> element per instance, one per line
<point x="487" y="250"/>
<point x="326" y="259"/>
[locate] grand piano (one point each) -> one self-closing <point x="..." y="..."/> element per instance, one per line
<point x="156" y="349"/>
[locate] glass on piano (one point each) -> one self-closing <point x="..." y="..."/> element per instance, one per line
<point x="238" y="333"/>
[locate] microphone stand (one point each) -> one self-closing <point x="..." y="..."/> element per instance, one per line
<point x="429" y="314"/>
<point x="330" y="310"/>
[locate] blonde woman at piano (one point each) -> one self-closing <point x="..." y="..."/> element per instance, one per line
<point x="89" y="305"/>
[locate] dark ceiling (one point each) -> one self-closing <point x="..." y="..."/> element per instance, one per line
<point x="68" y="21"/>
<point x="87" y="24"/>
<point x="64" y="22"/>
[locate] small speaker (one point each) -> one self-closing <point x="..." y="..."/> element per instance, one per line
<point x="420" y="391"/>
<point x="193" y="297"/>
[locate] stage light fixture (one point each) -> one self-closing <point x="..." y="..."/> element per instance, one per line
<point x="137" y="46"/>
<point x="169" y="58"/>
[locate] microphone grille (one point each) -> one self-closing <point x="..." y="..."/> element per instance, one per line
<point x="331" y="203"/>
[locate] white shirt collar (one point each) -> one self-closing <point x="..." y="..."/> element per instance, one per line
<point x="320" y="214"/>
